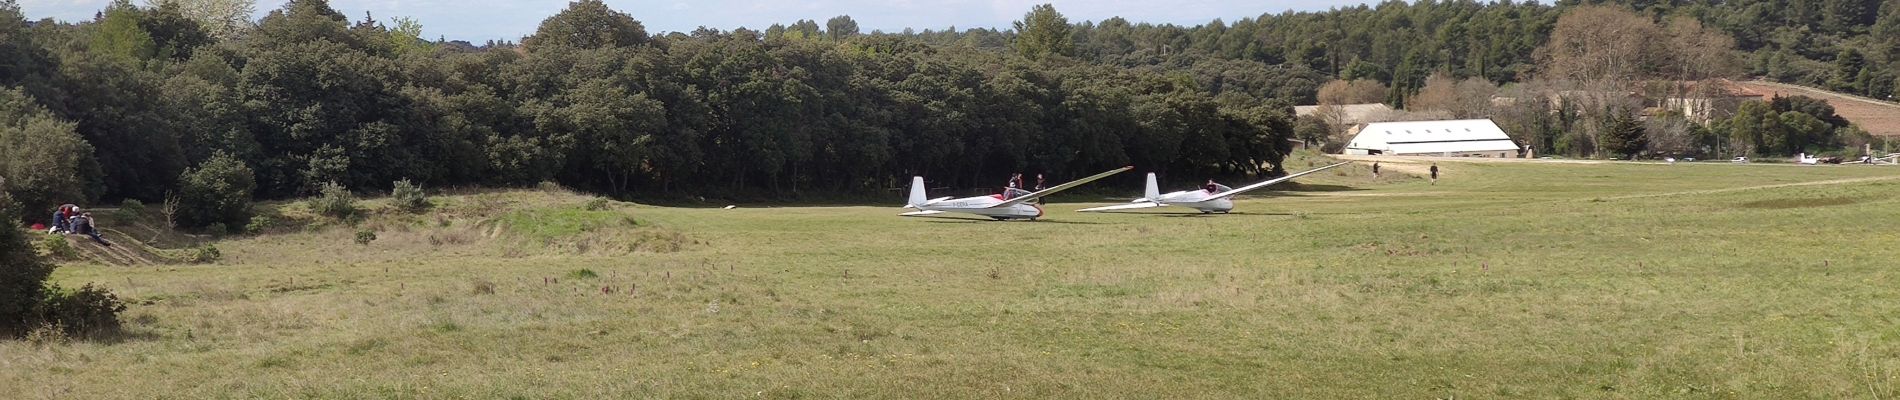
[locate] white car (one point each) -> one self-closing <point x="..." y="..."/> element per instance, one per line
<point x="1739" y="160"/>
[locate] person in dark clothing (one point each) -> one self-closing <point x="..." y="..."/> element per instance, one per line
<point x="1039" y="183"/>
<point x="62" y="218"/>
<point x="1375" y="170"/>
<point x="82" y="224"/>
<point x="1211" y="187"/>
<point x="1434" y="173"/>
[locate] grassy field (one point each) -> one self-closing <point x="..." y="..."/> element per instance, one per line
<point x="1504" y="280"/>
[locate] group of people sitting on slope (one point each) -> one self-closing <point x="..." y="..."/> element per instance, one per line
<point x="1015" y="187"/>
<point x="69" y="219"/>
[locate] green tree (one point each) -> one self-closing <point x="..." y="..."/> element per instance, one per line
<point x="47" y="162"/>
<point x="1043" y="32"/>
<point x="1623" y="136"/>
<point x="222" y="19"/>
<point x="120" y="35"/>
<point x="1804" y="132"/>
<point x="406" y="36"/>
<point x="841" y="27"/>
<point x="303" y="22"/>
<point x="174" y="35"/>
<point x="587" y="24"/>
<point x="1746" y="129"/>
<point x="1808" y="105"/>
<point x="216" y="192"/>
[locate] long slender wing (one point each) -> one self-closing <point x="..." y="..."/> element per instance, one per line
<point x="1135" y="206"/>
<point x="1066" y="186"/>
<point x="919" y="213"/>
<point x="1244" y="189"/>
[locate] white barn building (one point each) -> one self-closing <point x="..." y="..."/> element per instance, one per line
<point x="1449" y="138"/>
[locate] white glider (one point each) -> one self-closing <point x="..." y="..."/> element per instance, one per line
<point x="1001" y="206"/>
<point x="1220" y="200"/>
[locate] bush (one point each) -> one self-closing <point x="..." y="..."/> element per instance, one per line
<point x="56" y="247"/>
<point x="22" y="275"/>
<point x="218" y="191"/>
<point x="88" y="312"/>
<point x="218" y="229"/>
<point x="334" y="201"/>
<point x="582" y="273"/>
<point x="206" y="255"/>
<point x="409" y="197"/>
<point x="599" y="204"/>
<point x="365" y="236"/>
<point x="260" y="223"/>
<point x="130" y="210"/>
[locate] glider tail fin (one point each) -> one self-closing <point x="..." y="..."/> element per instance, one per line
<point x="917" y="192"/>
<point x="1152" y="192"/>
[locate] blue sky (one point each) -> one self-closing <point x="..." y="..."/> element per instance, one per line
<point x="479" y="20"/>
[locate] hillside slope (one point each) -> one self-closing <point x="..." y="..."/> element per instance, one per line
<point x="1877" y="117"/>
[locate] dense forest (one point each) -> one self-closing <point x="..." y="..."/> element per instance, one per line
<point x="183" y="100"/>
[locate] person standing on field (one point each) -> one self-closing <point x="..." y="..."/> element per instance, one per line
<point x="1434" y="173"/>
<point x="1375" y="170"/>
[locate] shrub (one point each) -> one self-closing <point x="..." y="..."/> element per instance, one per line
<point x="206" y="255"/>
<point x="334" y="201"/>
<point x="56" y="247"/>
<point x="363" y="237"/>
<point x="218" y="191"/>
<point x="599" y="204"/>
<point x="88" y="312"/>
<point x="130" y="210"/>
<point x="260" y="223"/>
<point x="22" y="275"/>
<point x="582" y="274"/>
<point x="409" y="197"/>
<point x="218" y="229"/>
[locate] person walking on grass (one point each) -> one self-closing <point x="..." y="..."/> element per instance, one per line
<point x="1434" y="173"/>
<point x="1375" y="170"/>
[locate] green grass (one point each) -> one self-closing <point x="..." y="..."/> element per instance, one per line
<point x="1502" y="281"/>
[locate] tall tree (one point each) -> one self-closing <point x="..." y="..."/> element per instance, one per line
<point x="587" y="24"/>
<point x="120" y="35"/>
<point x="175" y="35"/>
<point x="841" y="27"/>
<point x="1043" y="32"/>
<point x="1602" y="42"/>
<point x="222" y="19"/>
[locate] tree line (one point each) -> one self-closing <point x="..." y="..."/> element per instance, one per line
<point x="145" y="103"/>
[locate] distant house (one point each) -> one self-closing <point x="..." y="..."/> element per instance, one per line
<point x="1707" y="101"/>
<point x="1348" y="114"/>
<point x="1444" y="138"/>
